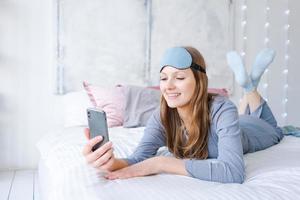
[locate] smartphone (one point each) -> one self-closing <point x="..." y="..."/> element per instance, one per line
<point x="98" y="125"/>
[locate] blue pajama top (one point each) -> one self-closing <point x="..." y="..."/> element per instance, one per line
<point x="230" y="137"/>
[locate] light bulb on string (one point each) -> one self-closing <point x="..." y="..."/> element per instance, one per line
<point x="287" y="12"/>
<point x="284" y="115"/>
<point x="267" y="24"/>
<point x="287" y="26"/>
<point x="286" y="57"/>
<point x="267" y="40"/>
<point x="285" y="71"/>
<point x="287" y="42"/>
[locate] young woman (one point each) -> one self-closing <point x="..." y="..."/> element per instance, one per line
<point x="203" y="131"/>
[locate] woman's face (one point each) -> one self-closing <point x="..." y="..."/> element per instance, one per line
<point x="177" y="86"/>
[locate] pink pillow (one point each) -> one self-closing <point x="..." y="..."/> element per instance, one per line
<point x="109" y="99"/>
<point x="222" y="91"/>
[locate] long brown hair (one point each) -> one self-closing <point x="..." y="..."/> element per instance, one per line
<point x="196" y="145"/>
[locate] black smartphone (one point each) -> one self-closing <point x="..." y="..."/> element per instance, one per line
<point x="98" y="125"/>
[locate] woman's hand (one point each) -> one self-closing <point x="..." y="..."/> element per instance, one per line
<point x="147" y="167"/>
<point x="103" y="158"/>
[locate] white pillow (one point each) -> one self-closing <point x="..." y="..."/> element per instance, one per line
<point x="75" y="105"/>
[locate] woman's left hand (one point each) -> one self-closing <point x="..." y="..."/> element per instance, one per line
<point x="147" y="167"/>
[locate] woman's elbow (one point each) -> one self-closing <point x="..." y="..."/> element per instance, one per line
<point x="227" y="178"/>
<point x="232" y="176"/>
<point x="237" y="178"/>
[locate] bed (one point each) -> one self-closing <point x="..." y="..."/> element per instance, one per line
<point x="273" y="173"/>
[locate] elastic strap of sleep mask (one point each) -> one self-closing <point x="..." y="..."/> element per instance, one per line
<point x="198" y="67"/>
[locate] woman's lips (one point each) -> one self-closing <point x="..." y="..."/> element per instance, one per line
<point x="173" y="95"/>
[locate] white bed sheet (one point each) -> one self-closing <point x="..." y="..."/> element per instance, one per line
<point x="273" y="173"/>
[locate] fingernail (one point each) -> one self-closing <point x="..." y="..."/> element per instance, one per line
<point x="99" y="137"/>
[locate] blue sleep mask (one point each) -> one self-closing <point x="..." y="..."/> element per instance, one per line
<point x="179" y="58"/>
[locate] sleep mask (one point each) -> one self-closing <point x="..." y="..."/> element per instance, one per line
<point x="179" y="58"/>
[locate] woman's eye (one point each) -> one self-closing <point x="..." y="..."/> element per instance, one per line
<point x="163" y="79"/>
<point x="180" y="78"/>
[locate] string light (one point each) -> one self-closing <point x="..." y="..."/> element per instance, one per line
<point x="284" y="115"/>
<point x="287" y="26"/>
<point x="285" y="70"/>
<point x="267" y="24"/>
<point x="243" y="26"/>
<point x="287" y="12"/>
<point x="267" y="40"/>
<point x="266" y="45"/>
<point x="286" y="57"/>
<point x="266" y="99"/>
<point x="243" y="30"/>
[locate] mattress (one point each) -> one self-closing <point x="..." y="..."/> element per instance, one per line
<point x="273" y="173"/>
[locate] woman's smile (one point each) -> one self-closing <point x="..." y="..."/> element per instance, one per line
<point x="172" y="95"/>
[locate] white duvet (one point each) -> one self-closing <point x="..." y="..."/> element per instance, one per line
<point x="273" y="173"/>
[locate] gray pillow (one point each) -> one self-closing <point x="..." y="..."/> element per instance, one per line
<point x="140" y="102"/>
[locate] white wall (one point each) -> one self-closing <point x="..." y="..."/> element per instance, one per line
<point x="28" y="108"/>
<point x="95" y="48"/>
<point x="26" y="72"/>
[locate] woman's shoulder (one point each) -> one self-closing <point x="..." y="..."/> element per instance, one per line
<point x="220" y="103"/>
<point x="155" y="119"/>
<point x="156" y="113"/>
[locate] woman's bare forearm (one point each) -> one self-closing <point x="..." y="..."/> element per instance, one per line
<point x="118" y="164"/>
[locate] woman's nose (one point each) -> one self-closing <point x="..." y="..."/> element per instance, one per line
<point x="170" y="84"/>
